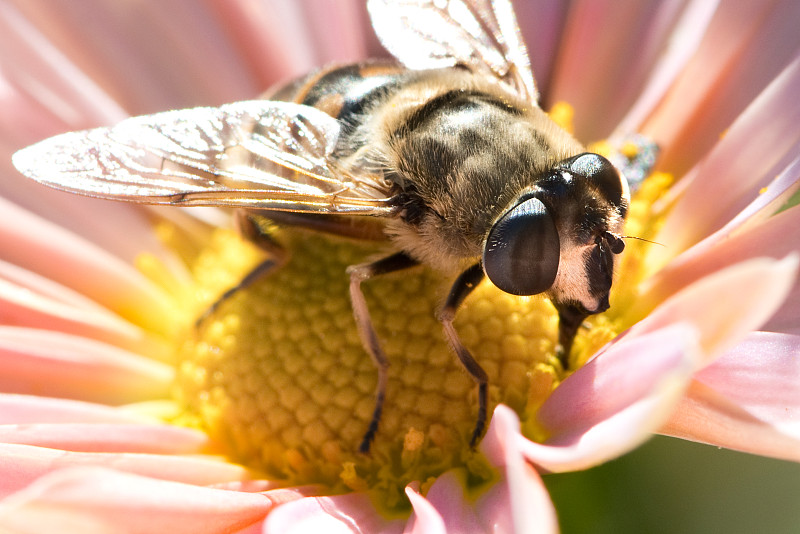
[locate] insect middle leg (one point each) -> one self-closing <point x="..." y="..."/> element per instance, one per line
<point x="369" y="339"/>
<point x="250" y="229"/>
<point x="461" y="288"/>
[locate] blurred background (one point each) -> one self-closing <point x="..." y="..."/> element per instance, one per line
<point x="674" y="486"/>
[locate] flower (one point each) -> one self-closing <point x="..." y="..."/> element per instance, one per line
<point x="89" y="341"/>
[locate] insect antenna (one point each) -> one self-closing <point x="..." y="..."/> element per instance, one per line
<point x="642" y="239"/>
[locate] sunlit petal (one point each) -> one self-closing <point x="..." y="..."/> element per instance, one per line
<point x="519" y="503"/>
<point x="22" y="464"/>
<point x="706" y="416"/>
<point x="426" y="519"/>
<point x="44" y="248"/>
<point x="616" y="64"/>
<point x="774" y="238"/>
<point x="756" y="148"/>
<point x="748" y="399"/>
<point x="104" y="437"/>
<point x="762" y="373"/>
<point x="724" y="316"/>
<point x="20" y="409"/>
<point x="56" y="364"/>
<point x="613" y="403"/>
<point x="342" y="514"/>
<point x="30" y="300"/>
<point x="745" y="48"/>
<point x="92" y="501"/>
<point x="34" y="67"/>
<point x="686" y="35"/>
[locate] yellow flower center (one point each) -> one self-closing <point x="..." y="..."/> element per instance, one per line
<point x="278" y="377"/>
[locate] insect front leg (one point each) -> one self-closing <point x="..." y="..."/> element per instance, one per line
<point x="369" y="339"/>
<point x="462" y="287"/>
<point x="249" y="228"/>
<point x="570" y="319"/>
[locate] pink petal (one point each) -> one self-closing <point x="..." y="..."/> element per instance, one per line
<point x="762" y="373"/>
<point x="352" y="513"/>
<point x="613" y="403"/>
<point x="54" y="294"/>
<point x="21" y="409"/>
<point x="114" y="45"/>
<point x="519" y="502"/>
<point x="599" y="413"/>
<point x="724" y="317"/>
<point x="446" y="509"/>
<point x="27" y="299"/>
<point x="39" y="72"/>
<point x="106" y="437"/>
<point x="614" y="63"/>
<point x="54" y="253"/>
<point x="755" y="148"/>
<point x="45" y="94"/>
<point x="22" y="464"/>
<point x="709" y="417"/>
<point x="54" y="364"/>
<point x="764" y="285"/>
<point x="687" y="33"/>
<point x="100" y="222"/>
<point x="541" y="23"/>
<point x="202" y="46"/>
<point x="335" y="28"/>
<point x="268" y="36"/>
<point x="426" y="519"/>
<point x="770" y="200"/>
<point x="98" y="500"/>
<point x="748" y="399"/>
<point x="745" y="48"/>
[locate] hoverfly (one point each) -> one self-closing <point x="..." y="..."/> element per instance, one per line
<point x="446" y="155"/>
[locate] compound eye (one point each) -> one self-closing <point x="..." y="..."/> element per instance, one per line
<point x="522" y="251"/>
<point x="600" y="172"/>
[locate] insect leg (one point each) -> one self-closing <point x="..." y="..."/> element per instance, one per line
<point x="358" y="274"/>
<point x="570" y="318"/>
<point x="250" y="229"/>
<point x="462" y="287"/>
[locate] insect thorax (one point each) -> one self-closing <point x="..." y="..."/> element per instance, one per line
<point x="456" y="146"/>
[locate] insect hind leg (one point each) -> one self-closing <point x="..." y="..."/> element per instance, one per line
<point x="369" y="339"/>
<point x="250" y="228"/>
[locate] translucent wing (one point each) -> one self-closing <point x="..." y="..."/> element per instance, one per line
<point x="481" y="34"/>
<point x="255" y="154"/>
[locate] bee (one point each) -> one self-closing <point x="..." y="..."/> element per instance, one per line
<point x="444" y="154"/>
